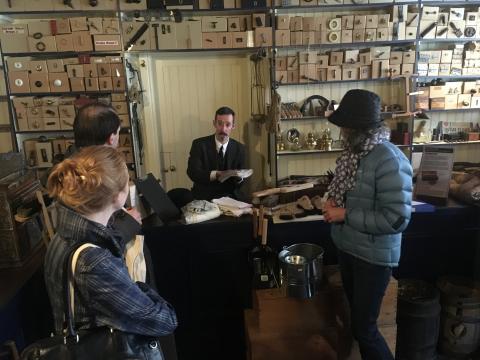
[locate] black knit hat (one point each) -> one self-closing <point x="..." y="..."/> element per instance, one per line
<point x="359" y="109"/>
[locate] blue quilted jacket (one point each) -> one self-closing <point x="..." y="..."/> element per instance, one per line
<point x="378" y="207"/>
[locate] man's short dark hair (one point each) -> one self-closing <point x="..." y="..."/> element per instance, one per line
<point x="224" y="110"/>
<point x="94" y="124"/>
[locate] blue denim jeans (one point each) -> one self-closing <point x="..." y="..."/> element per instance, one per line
<point x="365" y="285"/>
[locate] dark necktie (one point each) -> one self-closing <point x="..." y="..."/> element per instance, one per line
<point x="221" y="160"/>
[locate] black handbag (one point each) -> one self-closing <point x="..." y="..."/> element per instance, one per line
<point x="99" y="343"/>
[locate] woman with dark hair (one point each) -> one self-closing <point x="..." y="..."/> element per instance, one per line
<point x="369" y="205"/>
<point x="89" y="187"/>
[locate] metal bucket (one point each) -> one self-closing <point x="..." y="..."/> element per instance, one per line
<point x="301" y="269"/>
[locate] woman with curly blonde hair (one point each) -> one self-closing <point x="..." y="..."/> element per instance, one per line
<point x="89" y="187"/>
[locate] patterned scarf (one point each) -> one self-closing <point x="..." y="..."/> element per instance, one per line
<point x="347" y="164"/>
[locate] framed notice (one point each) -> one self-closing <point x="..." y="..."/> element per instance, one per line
<point x="434" y="175"/>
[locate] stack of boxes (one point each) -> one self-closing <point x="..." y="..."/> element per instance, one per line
<point x="77" y="34"/>
<point x="461" y="60"/>
<point x="449" y="23"/>
<point x="449" y="95"/>
<point x="27" y="75"/>
<point x="206" y="32"/>
<point x="357" y="64"/>
<point x="330" y="28"/>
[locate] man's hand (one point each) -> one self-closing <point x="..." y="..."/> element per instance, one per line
<point x="133" y="212"/>
<point x="332" y="213"/>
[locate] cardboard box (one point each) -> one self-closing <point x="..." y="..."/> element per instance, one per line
<point x="45" y="44"/>
<point x="371" y="21"/>
<point x="130" y="29"/>
<point x="321" y="73"/>
<point x="120" y="107"/>
<point x="233" y="24"/>
<point x="281" y="76"/>
<point x="407" y="69"/>
<point x="209" y="40"/>
<point x="336" y="58"/>
<point x="66" y="111"/>
<point x="124" y="121"/>
<point x="309" y="37"/>
<point x="347" y="22"/>
<point x="322" y="61"/>
<point x="82" y="41"/>
<point x="258" y="20"/>
<point x="308" y="73"/>
<point x="438" y="91"/>
<point x="14" y="38"/>
<point x="464" y="101"/>
<point x="39" y="83"/>
<point x="365" y="72"/>
<point x="451" y="101"/>
<point x="18" y="64"/>
<point x="77" y="84"/>
<point x="119" y="84"/>
<point x="296" y="23"/>
<point x="166" y="34"/>
<point x="282" y="37"/>
<point x="91" y="84"/>
<point x="263" y="36"/>
<point x="239" y="39"/>
<point x="51" y="124"/>
<point x="334" y="73"/>
<point x="58" y="82"/>
<point x="214" y="24"/>
<point x="55" y="65"/>
<point x="350" y="72"/>
<point x="189" y="35"/>
<point x="358" y="35"/>
<point x="283" y="22"/>
<point x="293" y="76"/>
<point x="360" y="22"/>
<point x="347" y="36"/>
<point x="78" y="24"/>
<point x="296" y="37"/>
<point x="105" y="83"/>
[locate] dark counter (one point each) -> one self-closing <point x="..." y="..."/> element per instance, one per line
<point x="203" y="269"/>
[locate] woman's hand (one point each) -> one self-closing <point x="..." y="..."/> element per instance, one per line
<point x="332" y="213"/>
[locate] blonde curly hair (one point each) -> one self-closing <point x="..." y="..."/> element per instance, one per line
<point x="90" y="180"/>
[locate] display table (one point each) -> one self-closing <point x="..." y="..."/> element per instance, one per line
<point x="203" y="269"/>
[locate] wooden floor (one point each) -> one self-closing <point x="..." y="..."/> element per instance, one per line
<point x="285" y="328"/>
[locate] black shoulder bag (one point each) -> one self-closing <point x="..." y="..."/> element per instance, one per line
<point x="90" y="344"/>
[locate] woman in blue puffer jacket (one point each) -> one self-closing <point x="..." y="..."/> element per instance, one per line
<point x="369" y="206"/>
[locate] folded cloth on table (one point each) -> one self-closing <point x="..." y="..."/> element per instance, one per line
<point x="200" y="210"/>
<point x="233" y="211"/>
<point x="232" y="203"/>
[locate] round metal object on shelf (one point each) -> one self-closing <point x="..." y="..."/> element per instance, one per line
<point x="334" y="36"/>
<point x="39" y="68"/>
<point x="334" y="24"/>
<point x="38" y="83"/>
<point x="470" y="31"/>
<point x="37" y="35"/>
<point x="18" y="82"/>
<point x="57" y="82"/>
<point x="292" y="134"/>
<point x="40" y="46"/>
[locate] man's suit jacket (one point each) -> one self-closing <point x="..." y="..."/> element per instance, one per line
<point x="204" y="159"/>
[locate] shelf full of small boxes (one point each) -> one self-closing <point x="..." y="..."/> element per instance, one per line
<point x="396" y="23"/>
<point x="75" y="34"/>
<point x="205" y="32"/>
<point x="378" y="62"/>
<point x="439" y="22"/>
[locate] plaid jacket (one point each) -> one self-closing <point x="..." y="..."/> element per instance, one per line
<point x="104" y="293"/>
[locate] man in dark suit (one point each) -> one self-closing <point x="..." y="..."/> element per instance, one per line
<point x="211" y="156"/>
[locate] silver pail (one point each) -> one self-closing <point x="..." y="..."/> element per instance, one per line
<point x="301" y="269"/>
